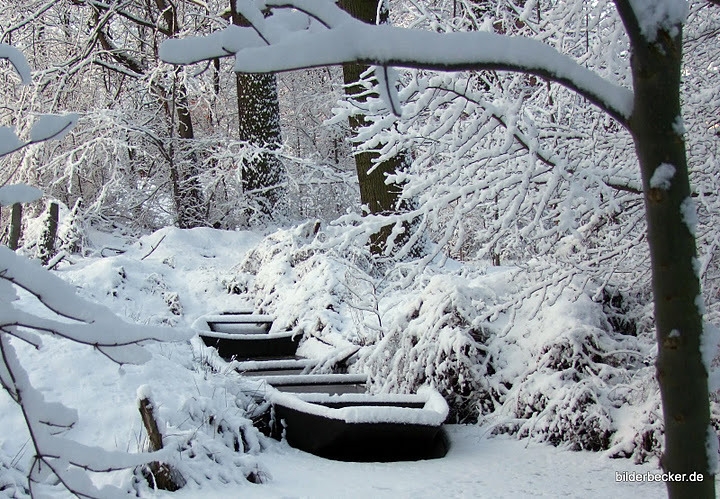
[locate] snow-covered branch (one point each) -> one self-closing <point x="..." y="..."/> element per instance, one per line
<point x="64" y="458"/>
<point x="328" y="36"/>
<point x="61" y="312"/>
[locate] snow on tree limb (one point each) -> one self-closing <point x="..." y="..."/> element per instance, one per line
<point x="17" y="60"/>
<point x="72" y="318"/>
<point x="65" y="458"/>
<point x="18" y="193"/>
<point x="59" y="297"/>
<point x="329" y="36"/>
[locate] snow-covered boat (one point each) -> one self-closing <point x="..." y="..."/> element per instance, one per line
<point x="331" y="384"/>
<point x="363" y="427"/>
<point x="274" y="367"/>
<point x="245" y="336"/>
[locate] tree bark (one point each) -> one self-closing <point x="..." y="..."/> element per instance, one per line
<point x="15" y="226"/>
<point x="49" y="233"/>
<point x="259" y="124"/>
<point x="187" y="191"/>
<point x="378" y="196"/>
<point x="681" y="373"/>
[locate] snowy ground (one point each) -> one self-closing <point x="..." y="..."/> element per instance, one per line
<point x="183" y="278"/>
<point x="475" y="467"/>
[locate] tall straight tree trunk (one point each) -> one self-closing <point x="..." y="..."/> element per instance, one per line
<point x="259" y="124"/>
<point x="15" y="226"/>
<point x="681" y="372"/>
<point x="187" y="192"/>
<point x="378" y="196"/>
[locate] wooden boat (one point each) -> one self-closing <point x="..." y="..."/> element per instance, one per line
<point x="329" y="415"/>
<point x="363" y="427"/>
<point x="246" y="336"/>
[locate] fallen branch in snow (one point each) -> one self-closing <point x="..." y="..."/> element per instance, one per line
<point x="152" y="250"/>
<point x="55" y="261"/>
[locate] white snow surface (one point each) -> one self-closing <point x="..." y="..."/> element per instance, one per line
<point x="9" y="141"/>
<point x="688" y="211"/>
<point x="196" y="264"/>
<point x="662" y="177"/>
<point x="653" y="15"/>
<point x="19" y="193"/>
<point x="17" y="59"/>
<point x="475" y="467"/>
<point x="52" y="126"/>
<point x="433" y="413"/>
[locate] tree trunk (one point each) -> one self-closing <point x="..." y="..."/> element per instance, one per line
<point x="259" y="124"/>
<point x="378" y="196"/>
<point x="681" y="373"/>
<point x="49" y="234"/>
<point x="187" y="192"/>
<point x="15" y="226"/>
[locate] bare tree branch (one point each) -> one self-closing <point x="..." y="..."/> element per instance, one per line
<point x="630" y="21"/>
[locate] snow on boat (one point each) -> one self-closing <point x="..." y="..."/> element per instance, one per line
<point x="253" y="368"/>
<point x="315" y="383"/>
<point x="245" y="336"/>
<point x="363" y="427"/>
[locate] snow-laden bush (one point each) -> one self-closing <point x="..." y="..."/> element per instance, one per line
<point x="13" y="481"/>
<point x="539" y="358"/>
<point x="570" y="365"/>
<point x="213" y="439"/>
<point x="433" y="335"/>
<point x="306" y="289"/>
<point x="71" y="234"/>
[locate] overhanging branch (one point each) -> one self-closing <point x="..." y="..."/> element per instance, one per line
<point x="351" y="41"/>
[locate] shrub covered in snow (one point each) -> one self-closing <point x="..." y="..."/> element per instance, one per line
<point x="560" y="360"/>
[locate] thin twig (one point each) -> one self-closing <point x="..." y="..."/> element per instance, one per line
<point x="154" y="247"/>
